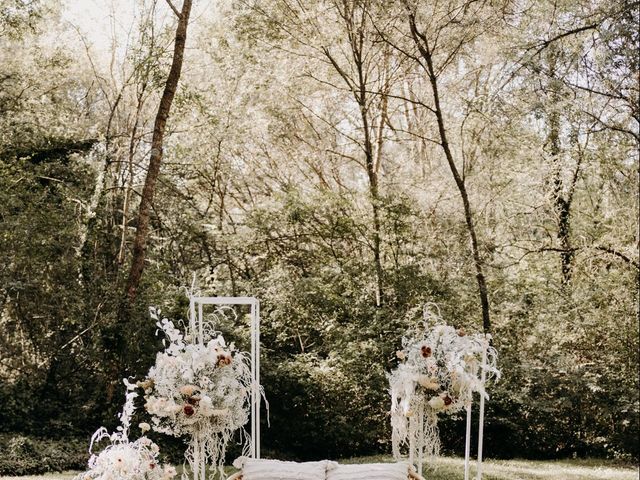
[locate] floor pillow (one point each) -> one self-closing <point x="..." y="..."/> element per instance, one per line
<point x="370" y="471"/>
<point x="259" y="469"/>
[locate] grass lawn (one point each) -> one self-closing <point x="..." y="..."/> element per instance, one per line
<point x="452" y="468"/>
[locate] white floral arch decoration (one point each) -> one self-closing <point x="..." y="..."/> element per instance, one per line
<point x="204" y="388"/>
<point x="440" y="370"/>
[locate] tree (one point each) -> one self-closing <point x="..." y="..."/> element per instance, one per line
<point x="438" y="43"/>
<point x="364" y="57"/>
<point x="18" y="17"/>
<point x="157" y="142"/>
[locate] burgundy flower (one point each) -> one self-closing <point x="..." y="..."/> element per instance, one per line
<point x="224" y="359"/>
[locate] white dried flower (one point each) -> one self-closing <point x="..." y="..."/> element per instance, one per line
<point x="437" y="403"/>
<point x="192" y="393"/>
<point x="430" y="383"/>
<point x="206" y="406"/>
<point x="188" y="390"/>
<point x="169" y="472"/>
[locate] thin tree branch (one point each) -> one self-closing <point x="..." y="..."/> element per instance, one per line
<point x="620" y="255"/>
<point x="175" y="10"/>
<point x="600" y="248"/>
<point x="574" y="31"/>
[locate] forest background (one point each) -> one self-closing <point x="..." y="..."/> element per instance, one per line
<point x="346" y="162"/>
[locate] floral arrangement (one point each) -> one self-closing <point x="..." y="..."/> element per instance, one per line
<point x="440" y="369"/>
<point x="122" y="459"/>
<point x="198" y="387"/>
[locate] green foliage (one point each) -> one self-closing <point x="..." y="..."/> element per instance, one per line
<point x="21" y="455"/>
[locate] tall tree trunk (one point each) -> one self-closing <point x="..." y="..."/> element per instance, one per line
<point x="424" y="48"/>
<point x="374" y="191"/>
<point x="357" y="84"/>
<point x="561" y="201"/>
<point x="357" y="40"/>
<point x="377" y="161"/>
<point x="133" y="140"/>
<point x="146" y="202"/>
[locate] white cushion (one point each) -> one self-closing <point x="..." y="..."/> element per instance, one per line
<point x="277" y="470"/>
<point x="370" y="471"/>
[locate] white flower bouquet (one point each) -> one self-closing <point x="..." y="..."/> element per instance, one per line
<point x="438" y="373"/>
<point x="125" y="460"/>
<point x="200" y="389"/>
<point x="128" y="461"/>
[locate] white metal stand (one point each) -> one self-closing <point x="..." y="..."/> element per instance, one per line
<point x="483" y="379"/>
<point x="421" y="439"/>
<point x="467" y="444"/>
<point x="196" y="324"/>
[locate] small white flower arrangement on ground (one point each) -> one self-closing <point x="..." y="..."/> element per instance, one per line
<point x="122" y="459"/>
<point x="200" y="389"/>
<point x="439" y="371"/>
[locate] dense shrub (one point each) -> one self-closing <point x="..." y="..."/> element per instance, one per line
<point x="21" y="455"/>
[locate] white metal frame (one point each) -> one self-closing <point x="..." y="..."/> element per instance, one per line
<point x="196" y="324"/>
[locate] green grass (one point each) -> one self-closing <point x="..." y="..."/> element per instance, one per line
<point x="452" y="468"/>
